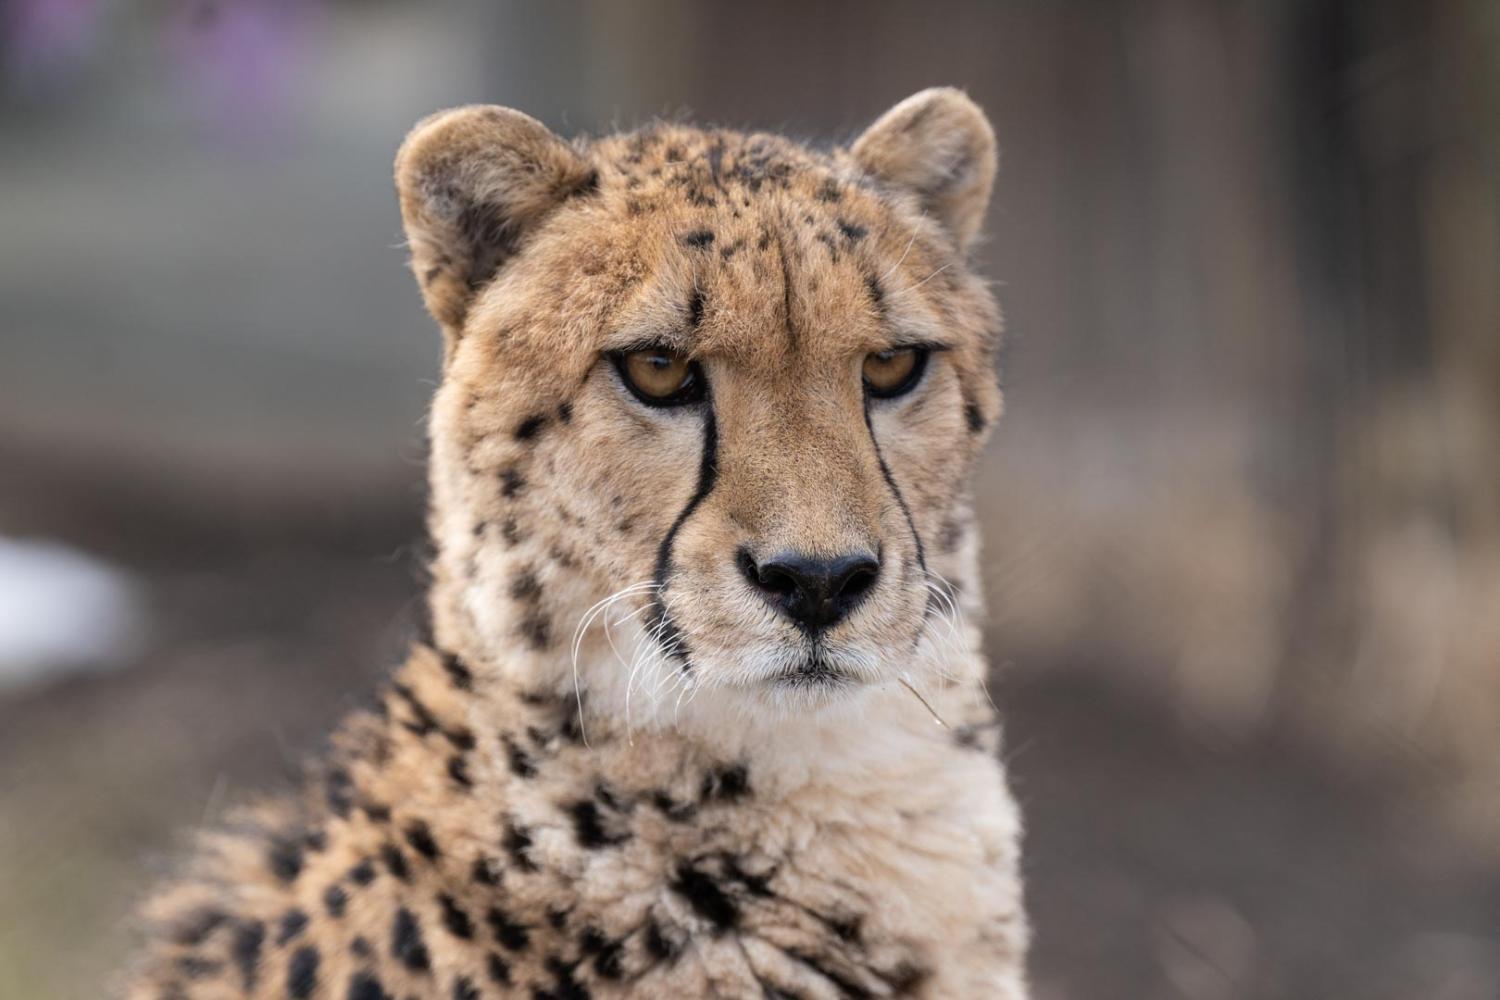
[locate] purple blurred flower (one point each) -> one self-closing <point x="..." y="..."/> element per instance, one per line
<point x="241" y="58"/>
<point x="42" y="40"/>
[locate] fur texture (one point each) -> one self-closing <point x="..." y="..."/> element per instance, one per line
<point x="617" y="770"/>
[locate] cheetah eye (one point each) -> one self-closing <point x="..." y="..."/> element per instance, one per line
<point x="658" y="376"/>
<point x="894" y="372"/>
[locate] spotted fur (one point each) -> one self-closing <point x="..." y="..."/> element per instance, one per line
<point x="615" y="770"/>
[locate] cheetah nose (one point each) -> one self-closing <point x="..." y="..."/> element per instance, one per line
<point x="814" y="593"/>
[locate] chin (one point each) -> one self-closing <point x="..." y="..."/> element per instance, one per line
<point x="790" y="681"/>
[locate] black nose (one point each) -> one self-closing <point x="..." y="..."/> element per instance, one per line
<point x="814" y="593"/>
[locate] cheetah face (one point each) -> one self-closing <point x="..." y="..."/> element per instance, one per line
<point x="731" y="383"/>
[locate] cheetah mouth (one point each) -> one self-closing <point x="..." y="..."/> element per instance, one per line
<point x="815" y="672"/>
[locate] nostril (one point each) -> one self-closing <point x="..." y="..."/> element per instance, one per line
<point x="746" y="563"/>
<point x="770" y="577"/>
<point x="856" y="580"/>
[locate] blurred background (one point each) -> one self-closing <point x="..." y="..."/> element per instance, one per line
<point x="1243" y="514"/>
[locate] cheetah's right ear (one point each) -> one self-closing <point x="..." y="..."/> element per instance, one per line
<point x="939" y="146"/>
<point x="472" y="182"/>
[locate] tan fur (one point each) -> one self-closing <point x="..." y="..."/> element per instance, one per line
<point x="634" y="801"/>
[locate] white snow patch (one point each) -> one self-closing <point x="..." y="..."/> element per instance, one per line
<point x="62" y="611"/>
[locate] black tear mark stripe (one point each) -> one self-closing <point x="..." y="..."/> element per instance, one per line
<point x="669" y="636"/>
<point x="890" y="480"/>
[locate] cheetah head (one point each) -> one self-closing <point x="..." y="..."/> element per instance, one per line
<point x="709" y="402"/>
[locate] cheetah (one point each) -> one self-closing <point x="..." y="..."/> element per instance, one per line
<point x="700" y="711"/>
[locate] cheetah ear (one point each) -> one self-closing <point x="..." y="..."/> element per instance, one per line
<point x="938" y="145"/>
<point x="472" y="182"/>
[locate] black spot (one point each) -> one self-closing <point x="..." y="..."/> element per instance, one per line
<point x="852" y="231"/>
<point x="524" y="586"/>
<point x="454" y="919"/>
<point x="483" y="872"/>
<point x="420" y="838"/>
<point x="521" y="764"/>
<point x="364" y="986"/>
<point x="830" y="192"/>
<point x="510" y="532"/>
<point x="608" y="955"/>
<point x="695" y="308"/>
<point x="564" y="413"/>
<point x="335" y="899"/>
<point x="530" y="427"/>
<point x="536" y="629"/>
<point x="360" y="946"/>
<point x="698" y="239"/>
<point x="847" y="928"/>
<point x="706" y="898"/>
<point x="678" y="812"/>
<point x="511" y="483"/>
<point x="395" y="861"/>
<point x="566" y="987"/>
<point x="558" y="918"/>
<point x="423" y="721"/>
<point x="498" y="969"/>
<point x="517" y="843"/>
<point x="511" y="935"/>
<point x="458" y="770"/>
<point x="377" y="812"/>
<point x="293" y="922"/>
<point x="362" y="873"/>
<point x="588" y="827"/>
<point x="726" y="784"/>
<point x="406" y="942"/>
<point x="975" y="418"/>
<point x="661" y="947"/>
<point x="462" y="738"/>
<point x="248" y="939"/>
<point x="196" y="926"/>
<point x="460" y="675"/>
<point x="302" y="973"/>
<point x="339" y="792"/>
<point x="285" y="858"/>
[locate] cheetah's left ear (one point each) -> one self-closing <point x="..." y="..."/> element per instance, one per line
<point x="938" y="145"/>
<point x="473" y="182"/>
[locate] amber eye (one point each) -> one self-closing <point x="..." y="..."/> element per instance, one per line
<point x="660" y="377"/>
<point x="891" y="373"/>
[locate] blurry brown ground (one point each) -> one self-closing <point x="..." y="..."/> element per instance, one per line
<point x="1243" y="515"/>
